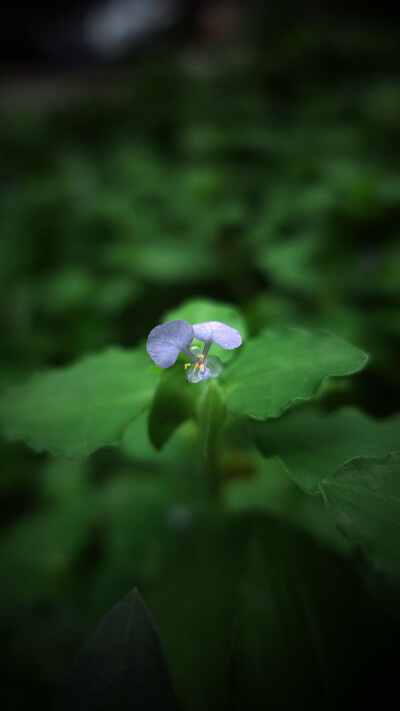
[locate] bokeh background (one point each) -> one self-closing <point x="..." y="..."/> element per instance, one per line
<point x="153" y="152"/>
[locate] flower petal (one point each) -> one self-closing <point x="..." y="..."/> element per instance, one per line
<point x="165" y="342"/>
<point x="196" y="375"/>
<point x="204" y="373"/>
<point x="219" y="333"/>
<point x="214" y="365"/>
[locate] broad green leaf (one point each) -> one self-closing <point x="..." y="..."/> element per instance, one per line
<point x="199" y="310"/>
<point x="121" y="667"/>
<point x="312" y="444"/>
<point x="363" y="497"/>
<point x="73" y="411"/>
<point x="173" y="403"/>
<point x="280" y="367"/>
<point x="211" y="413"/>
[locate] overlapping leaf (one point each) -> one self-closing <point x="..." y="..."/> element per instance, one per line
<point x="73" y="411"/>
<point x="280" y="367"/>
<point x="363" y="497"/>
<point x="312" y="445"/>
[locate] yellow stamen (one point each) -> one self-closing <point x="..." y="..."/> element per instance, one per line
<point x="187" y="365"/>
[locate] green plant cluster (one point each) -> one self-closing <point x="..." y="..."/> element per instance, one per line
<point x="258" y="515"/>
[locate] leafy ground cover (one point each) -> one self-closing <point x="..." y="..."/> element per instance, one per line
<point x="258" y="514"/>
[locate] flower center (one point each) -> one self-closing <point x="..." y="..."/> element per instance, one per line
<point x="200" y="362"/>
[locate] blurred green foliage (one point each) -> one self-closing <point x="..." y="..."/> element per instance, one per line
<point x="268" y="180"/>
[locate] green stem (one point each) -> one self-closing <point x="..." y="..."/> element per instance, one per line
<point x="213" y="480"/>
<point x="211" y="413"/>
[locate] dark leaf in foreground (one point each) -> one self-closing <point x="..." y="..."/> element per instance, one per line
<point x="121" y="666"/>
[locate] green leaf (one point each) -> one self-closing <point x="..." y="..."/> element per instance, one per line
<point x="211" y="413"/>
<point x="121" y="667"/>
<point x="73" y="411"/>
<point x="173" y="403"/>
<point x="270" y="490"/>
<point x="280" y="367"/>
<point x="199" y="310"/>
<point x="312" y="445"/>
<point x="363" y="497"/>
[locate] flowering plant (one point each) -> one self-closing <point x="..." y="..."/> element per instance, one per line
<point x="165" y="342"/>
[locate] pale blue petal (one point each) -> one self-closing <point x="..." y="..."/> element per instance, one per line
<point x="219" y="333"/>
<point x="191" y="374"/>
<point x="204" y="373"/>
<point x="214" y="365"/>
<point x="165" y="342"/>
<point x="196" y="375"/>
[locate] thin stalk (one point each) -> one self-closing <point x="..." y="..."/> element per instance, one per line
<point x="213" y="480"/>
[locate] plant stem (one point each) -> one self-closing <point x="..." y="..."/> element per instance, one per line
<point x="213" y="480"/>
